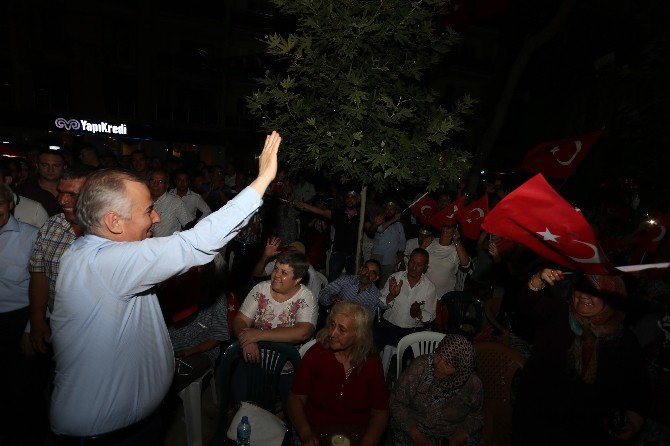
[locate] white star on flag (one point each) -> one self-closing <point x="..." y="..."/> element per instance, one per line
<point x="231" y="307"/>
<point x="548" y="236"/>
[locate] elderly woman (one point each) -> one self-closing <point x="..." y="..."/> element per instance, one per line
<point x="438" y="399"/>
<point x="585" y="382"/>
<point x="339" y="386"/>
<point x="280" y="310"/>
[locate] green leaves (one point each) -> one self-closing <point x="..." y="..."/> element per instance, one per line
<point x="350" y="101"/>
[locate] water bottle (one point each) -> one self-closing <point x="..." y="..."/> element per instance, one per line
<point x="243" y="432"/>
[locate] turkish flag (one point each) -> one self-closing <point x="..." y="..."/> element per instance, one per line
<point x="559" y="159"/>
<point x="649" y="237"/>
<point x="472" y="216"/>
<point x="447" y="214"/>
<point x="536" y="216"/>
<point x="424" y="208"/>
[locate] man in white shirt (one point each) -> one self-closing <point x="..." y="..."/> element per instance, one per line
<point x="192" y="202"/>
<point x="173" y="213"/>
<point x="25" y="210"/>
<point x="409" y="300"/>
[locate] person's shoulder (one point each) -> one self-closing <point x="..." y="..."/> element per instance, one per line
<point x="27" y="228"/>
<point x="305" y="293"/>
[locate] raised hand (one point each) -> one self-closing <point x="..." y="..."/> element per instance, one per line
<point x="267" y="163"/>
<point x="272" y="247"/>
<point x="415" y="309"/>
<point x="394" y="287"/>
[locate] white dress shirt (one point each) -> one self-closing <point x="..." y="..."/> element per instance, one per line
<point x="397" y="311"/>
<point x="114" y="359"/>
<point x="193" y="202"/>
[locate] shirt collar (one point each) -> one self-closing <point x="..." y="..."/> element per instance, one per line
<point x="12" y="225"/>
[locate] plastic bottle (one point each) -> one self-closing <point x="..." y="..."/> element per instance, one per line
<point x="243" y="432"/>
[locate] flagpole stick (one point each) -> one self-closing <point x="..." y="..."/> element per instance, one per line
<point x="415" y="202"/>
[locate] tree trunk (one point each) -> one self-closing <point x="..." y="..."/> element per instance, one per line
<point x="361" y="221"/>
<point x="530" y="45"/>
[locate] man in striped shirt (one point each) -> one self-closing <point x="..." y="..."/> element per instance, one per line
<point x="360" y="289"/>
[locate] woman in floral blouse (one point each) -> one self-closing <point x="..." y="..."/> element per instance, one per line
<point x="281" y="309"/>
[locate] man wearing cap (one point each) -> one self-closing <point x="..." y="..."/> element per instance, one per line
<point x="424" y="239"/>
<point x="266" y="263"/>
<point x="345" y="221"/>
<point x="447" y="256"/>
<point x="389" y="239"/>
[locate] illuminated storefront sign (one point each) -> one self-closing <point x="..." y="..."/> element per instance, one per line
<point x="97" y="127"/>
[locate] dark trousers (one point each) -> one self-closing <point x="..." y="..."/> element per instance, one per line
<point x="389" y="334"/>
<point x="339" y="261"/>
<point x="22" y="384"/>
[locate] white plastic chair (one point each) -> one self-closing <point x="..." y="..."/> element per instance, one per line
<point x="422" y="343"/>
<point x="306" y="346"/>
<point x="192" y="401"/>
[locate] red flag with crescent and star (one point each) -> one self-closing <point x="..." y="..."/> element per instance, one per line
<point x="536" y="216"/>
<point x="447" y="214"/>
<point x="424" y="208"/>
<point x="472" y="216"/>
<point x="559" y="159"/>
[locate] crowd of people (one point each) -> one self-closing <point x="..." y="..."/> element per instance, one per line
<point x="119" y="275"/>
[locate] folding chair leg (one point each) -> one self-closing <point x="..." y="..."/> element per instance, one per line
<point x="190" y="397"/>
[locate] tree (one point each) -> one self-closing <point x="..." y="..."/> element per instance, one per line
<point x="349" y="94"/>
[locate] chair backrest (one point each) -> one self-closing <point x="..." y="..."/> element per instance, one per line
<point x="496" y="366"/>
<point x="422" y="343"/>
<point x="262" y="379"/>
<point x="491" y="310"/>
<point x="306" y="346"/>
<point x="463" y="308"/>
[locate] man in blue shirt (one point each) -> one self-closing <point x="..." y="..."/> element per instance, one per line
<point x="388" y="246"/>
<point x="114" y="360"/>
<point x="359" y="289"/>
<point x="17" y="240"/>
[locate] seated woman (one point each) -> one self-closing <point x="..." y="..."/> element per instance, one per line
<point x="339" y="386"/>
<point x="585" y="382"/>
<point x="439" y="399"/>
<point x="280" y="310"/>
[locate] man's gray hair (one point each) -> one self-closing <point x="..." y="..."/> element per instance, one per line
<point x="6" y="192"/>
<point x="103" y="191"/>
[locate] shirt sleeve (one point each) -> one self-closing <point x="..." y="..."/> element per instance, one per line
<point x="383" y="293"/>
<point x="309" y="309"/>
<point x="203" y="207"/>
<point x="133" y="267"/>
<point x="250" y="305"/>
<point x="328" y="291"/>
<point x="219" y="328"/>
<point x="429" y="309"/>
<point x="401" y="238"/>
<point x="182" y="214"/>
<point x="37" y="257"/>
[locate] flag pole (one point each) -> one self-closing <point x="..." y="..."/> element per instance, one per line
<point x="415" y="202"/>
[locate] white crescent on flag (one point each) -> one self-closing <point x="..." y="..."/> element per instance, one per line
<point x="578" y="148"/>
<point x="661" y="235"/>
<point x="454" y="213"/>
<point x="423" y="209"/>
<point x="594" y="259"/>
<point x="480" y="211"/>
